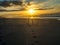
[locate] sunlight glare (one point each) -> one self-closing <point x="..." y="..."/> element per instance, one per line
<point x="31" y="11"/>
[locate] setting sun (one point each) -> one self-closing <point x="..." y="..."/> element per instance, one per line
<point x="31" y="11"/>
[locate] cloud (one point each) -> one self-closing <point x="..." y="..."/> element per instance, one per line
<point x="51" y="3"/>
<point x="15" y="7"/>
<point x="42" y="4"/>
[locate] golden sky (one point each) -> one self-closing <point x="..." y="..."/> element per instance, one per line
<point x="44" y="6"/>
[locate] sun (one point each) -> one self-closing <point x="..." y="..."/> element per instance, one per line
<point x="31" y="11"/>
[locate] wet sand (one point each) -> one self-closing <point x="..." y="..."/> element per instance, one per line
<point x="15" y="31"/>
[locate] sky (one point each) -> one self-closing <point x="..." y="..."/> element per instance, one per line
<point x="53" y="4"/>
<point x="45" y="3"/>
